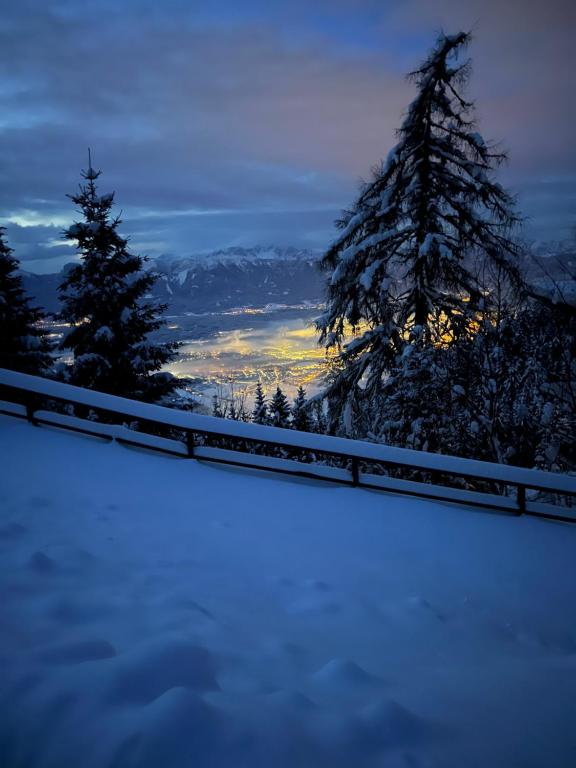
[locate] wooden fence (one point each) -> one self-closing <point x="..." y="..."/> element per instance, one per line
<point x="403" y="471"/>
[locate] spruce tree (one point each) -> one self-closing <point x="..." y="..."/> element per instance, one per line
<point x="279" y="409"/>
<point x="217" y="409"/>
<point x="233" y="412"/>
<point x="401" y="264"/>
<point x="24" y="346"/>
<point x="300" y="416"/>
<point x="260" y="412"/>
<point x="319" y="423"/>
<point x="103" y="298"/>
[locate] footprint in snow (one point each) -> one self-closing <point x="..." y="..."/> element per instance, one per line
<point x="146" y="673"/>
<point x="318" y="585"/>
<point x="12" y="531"/>
<point x="385" y="722"/>
<point x="41" y="563"/>
<point x="417" y="601"/>
<point x="345" y="676"/>
<point x="192" y="605"/>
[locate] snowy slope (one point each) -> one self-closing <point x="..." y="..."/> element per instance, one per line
<point x="160" y="612"/>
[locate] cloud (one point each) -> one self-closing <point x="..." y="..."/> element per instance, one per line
<point x="259" y="109"/>
<point x="39" y="247"/>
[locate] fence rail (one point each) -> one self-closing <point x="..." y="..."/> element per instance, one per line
<point x="354" y="462"/>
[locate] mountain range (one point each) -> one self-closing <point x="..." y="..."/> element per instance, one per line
<point x="254" y="277"/>
<point x="216" y="281"/>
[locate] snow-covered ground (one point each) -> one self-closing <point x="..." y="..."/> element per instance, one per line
<point x="160" y="613"/>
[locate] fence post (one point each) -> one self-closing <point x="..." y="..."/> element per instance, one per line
<point x="190" y="444"/>
<point x="521" y="499"/>
<point x="30" y="410"/>
<point x="355" y="471"/>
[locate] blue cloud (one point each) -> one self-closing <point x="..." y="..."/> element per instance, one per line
<point x="260" y="115"/>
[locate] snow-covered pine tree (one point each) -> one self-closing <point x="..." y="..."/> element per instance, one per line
<point x="23" y="345"/>
<point x="279" y="410"/>
<point x="260" y="412"/>
<point x="400" y="261"/>
<point x="522" y="386"/>
<point x="300" y="416"/>
<point x="415" y="404"/>
<point x="103" y="298"/>
<point x="319" y="423"/>
<point x="217" y="409"/>
<point x="234" y="412"/>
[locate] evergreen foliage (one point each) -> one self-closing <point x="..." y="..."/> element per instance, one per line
<point x="23" y="345"/>
<point x="103" y="298"/>
<point x="506" y="394"/>
<point x="236" y="410"/>
<point x="319" y="422"/>
<point x="522" y="391"/>
<point x="260" y="412"/>
<point x="300" y="416"/>
<point x="399" y="268"/>
<point x="279" y="410"/>
<point x="217" y="407"/>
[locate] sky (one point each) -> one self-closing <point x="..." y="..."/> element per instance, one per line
<point x="230" y="123"/>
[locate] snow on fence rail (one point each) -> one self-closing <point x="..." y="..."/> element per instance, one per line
<point x="360" y="463"/>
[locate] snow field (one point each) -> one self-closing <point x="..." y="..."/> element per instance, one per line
<point x="156" y="611"/>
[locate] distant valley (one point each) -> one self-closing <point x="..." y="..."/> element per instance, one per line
<point x="240" y="315"/>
